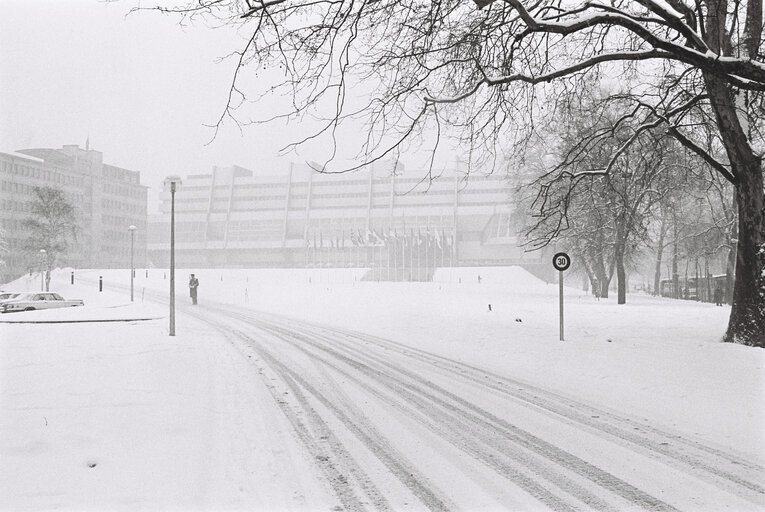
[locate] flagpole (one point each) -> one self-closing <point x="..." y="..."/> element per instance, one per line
<point x="387" y="250"/>
<point x="435" y="258"/>
<point x="395" y="255"/>
<point x="427" y="236"/>
<point x="411" y="256"/>
<point x="419" y="255"/>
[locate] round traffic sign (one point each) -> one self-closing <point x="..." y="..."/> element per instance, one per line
<point x="561" y="261"/>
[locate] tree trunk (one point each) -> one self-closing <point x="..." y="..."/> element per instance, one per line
<point x="675" y="275"/>
<point x="619" y="248"/>
<point x="659" y="254"/>
<point x="603" y="279"/>
<point x="588" y="271"/>
<point x="621" y="279"/>
<point x="747" y="316"/>
<point x="605" y="284"/>
<point x="730" y="264"/>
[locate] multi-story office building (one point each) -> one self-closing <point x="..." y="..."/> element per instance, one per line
<point x="394" y="221"/>
<point x="107" y="199"/>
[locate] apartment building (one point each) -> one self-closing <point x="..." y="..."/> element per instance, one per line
<point x="107" y="198"/>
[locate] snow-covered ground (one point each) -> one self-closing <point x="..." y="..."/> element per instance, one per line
<point x="121" y="416"/>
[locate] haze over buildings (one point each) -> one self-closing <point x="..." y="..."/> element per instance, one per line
<point x="108" y="199"/>
<point x="388" y="219"/>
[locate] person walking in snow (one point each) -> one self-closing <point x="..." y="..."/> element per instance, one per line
<point x="718" y="296"/>
<point x="193" y="284"/>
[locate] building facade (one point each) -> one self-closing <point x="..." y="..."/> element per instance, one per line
<point x="107" y="199"/>
<point x="396" y="222"/>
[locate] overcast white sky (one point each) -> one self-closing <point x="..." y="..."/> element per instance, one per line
<point x="141" y="87"/>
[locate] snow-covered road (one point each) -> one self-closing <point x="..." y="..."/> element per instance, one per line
<point x="309" y="390"/>
<point x="391" y="427"/>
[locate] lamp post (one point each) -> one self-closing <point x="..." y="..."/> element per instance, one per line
<point x="42" y="269"/>
<point x="173" y="183"/>
<point x="132" y="229"/>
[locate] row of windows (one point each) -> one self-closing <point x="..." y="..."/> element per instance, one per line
<point x="112" y="250"/>
<point x="260" y="198"/>
<point x="351" y="195"/>
<point x="254" y="208"/>
<point x="341" y="183"/>
<point x="243" y="236"/>
<point x="118" y="235"/>
<point x="36" y="172"/>
<point x="260" y="185"/>
<point x="189" y="226"/>
<point x="23" y="188"/>
<point x="9" y="205"/>
<point x="11" y="224"/>
<point x="119" y="174"/>
<point x="121" y="191"/>
<point x="251" y="224"/>
<point x="118" y="220"/>
<point x="111" y="204"/>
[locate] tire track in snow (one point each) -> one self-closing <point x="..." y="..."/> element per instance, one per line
<point x="356" y="423"/>
<point x="325" y="448"/>
<point x="714" y="465"/>
<point x="511" y="452"/>
<point x="730" y="472"/>
<point x="725" y="470"/>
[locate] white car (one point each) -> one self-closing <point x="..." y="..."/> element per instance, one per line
<point x="6" y="296"/>
<point x="31" y="301"/>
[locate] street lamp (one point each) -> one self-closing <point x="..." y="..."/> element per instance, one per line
<point x="172" y="182"/>
<point x="42" y="269"/>
<point x="132" y="229"/>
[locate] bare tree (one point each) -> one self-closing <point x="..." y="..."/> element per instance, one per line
<point x="605" y="218"/>
<point x="50" y="227"/>
<point x="491" y="71"/>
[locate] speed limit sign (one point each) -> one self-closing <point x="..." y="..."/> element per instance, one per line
<point x="561" y="261"/>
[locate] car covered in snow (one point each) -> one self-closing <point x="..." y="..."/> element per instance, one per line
<point x="6" y="296"/>
<point x="31" y="301"/>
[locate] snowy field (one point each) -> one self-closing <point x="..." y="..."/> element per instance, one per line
<point x="121" y="416"/>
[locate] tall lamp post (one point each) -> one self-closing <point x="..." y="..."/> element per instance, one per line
<point x="43" y="253"/>
<point x="173" y="183"/>
<point x="132" y="229"/>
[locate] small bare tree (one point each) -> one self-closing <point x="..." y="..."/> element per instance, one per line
<point x="51" y="226"/>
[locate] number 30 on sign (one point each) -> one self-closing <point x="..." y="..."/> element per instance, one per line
<point x="561" y="261"/>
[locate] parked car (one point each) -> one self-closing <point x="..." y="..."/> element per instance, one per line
<point x="31" y="301"/>
<point x="4" y="296"/>
<point x="7" y="297"/>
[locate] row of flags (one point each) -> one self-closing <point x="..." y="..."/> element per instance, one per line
<point x="373" y="238"/>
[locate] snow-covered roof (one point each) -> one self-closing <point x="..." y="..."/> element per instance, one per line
<point x="21" y="155"/>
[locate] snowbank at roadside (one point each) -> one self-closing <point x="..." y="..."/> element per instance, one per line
<point x="116" y="313"/>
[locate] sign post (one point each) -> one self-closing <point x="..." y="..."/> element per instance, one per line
<point x="561" y="262"/>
